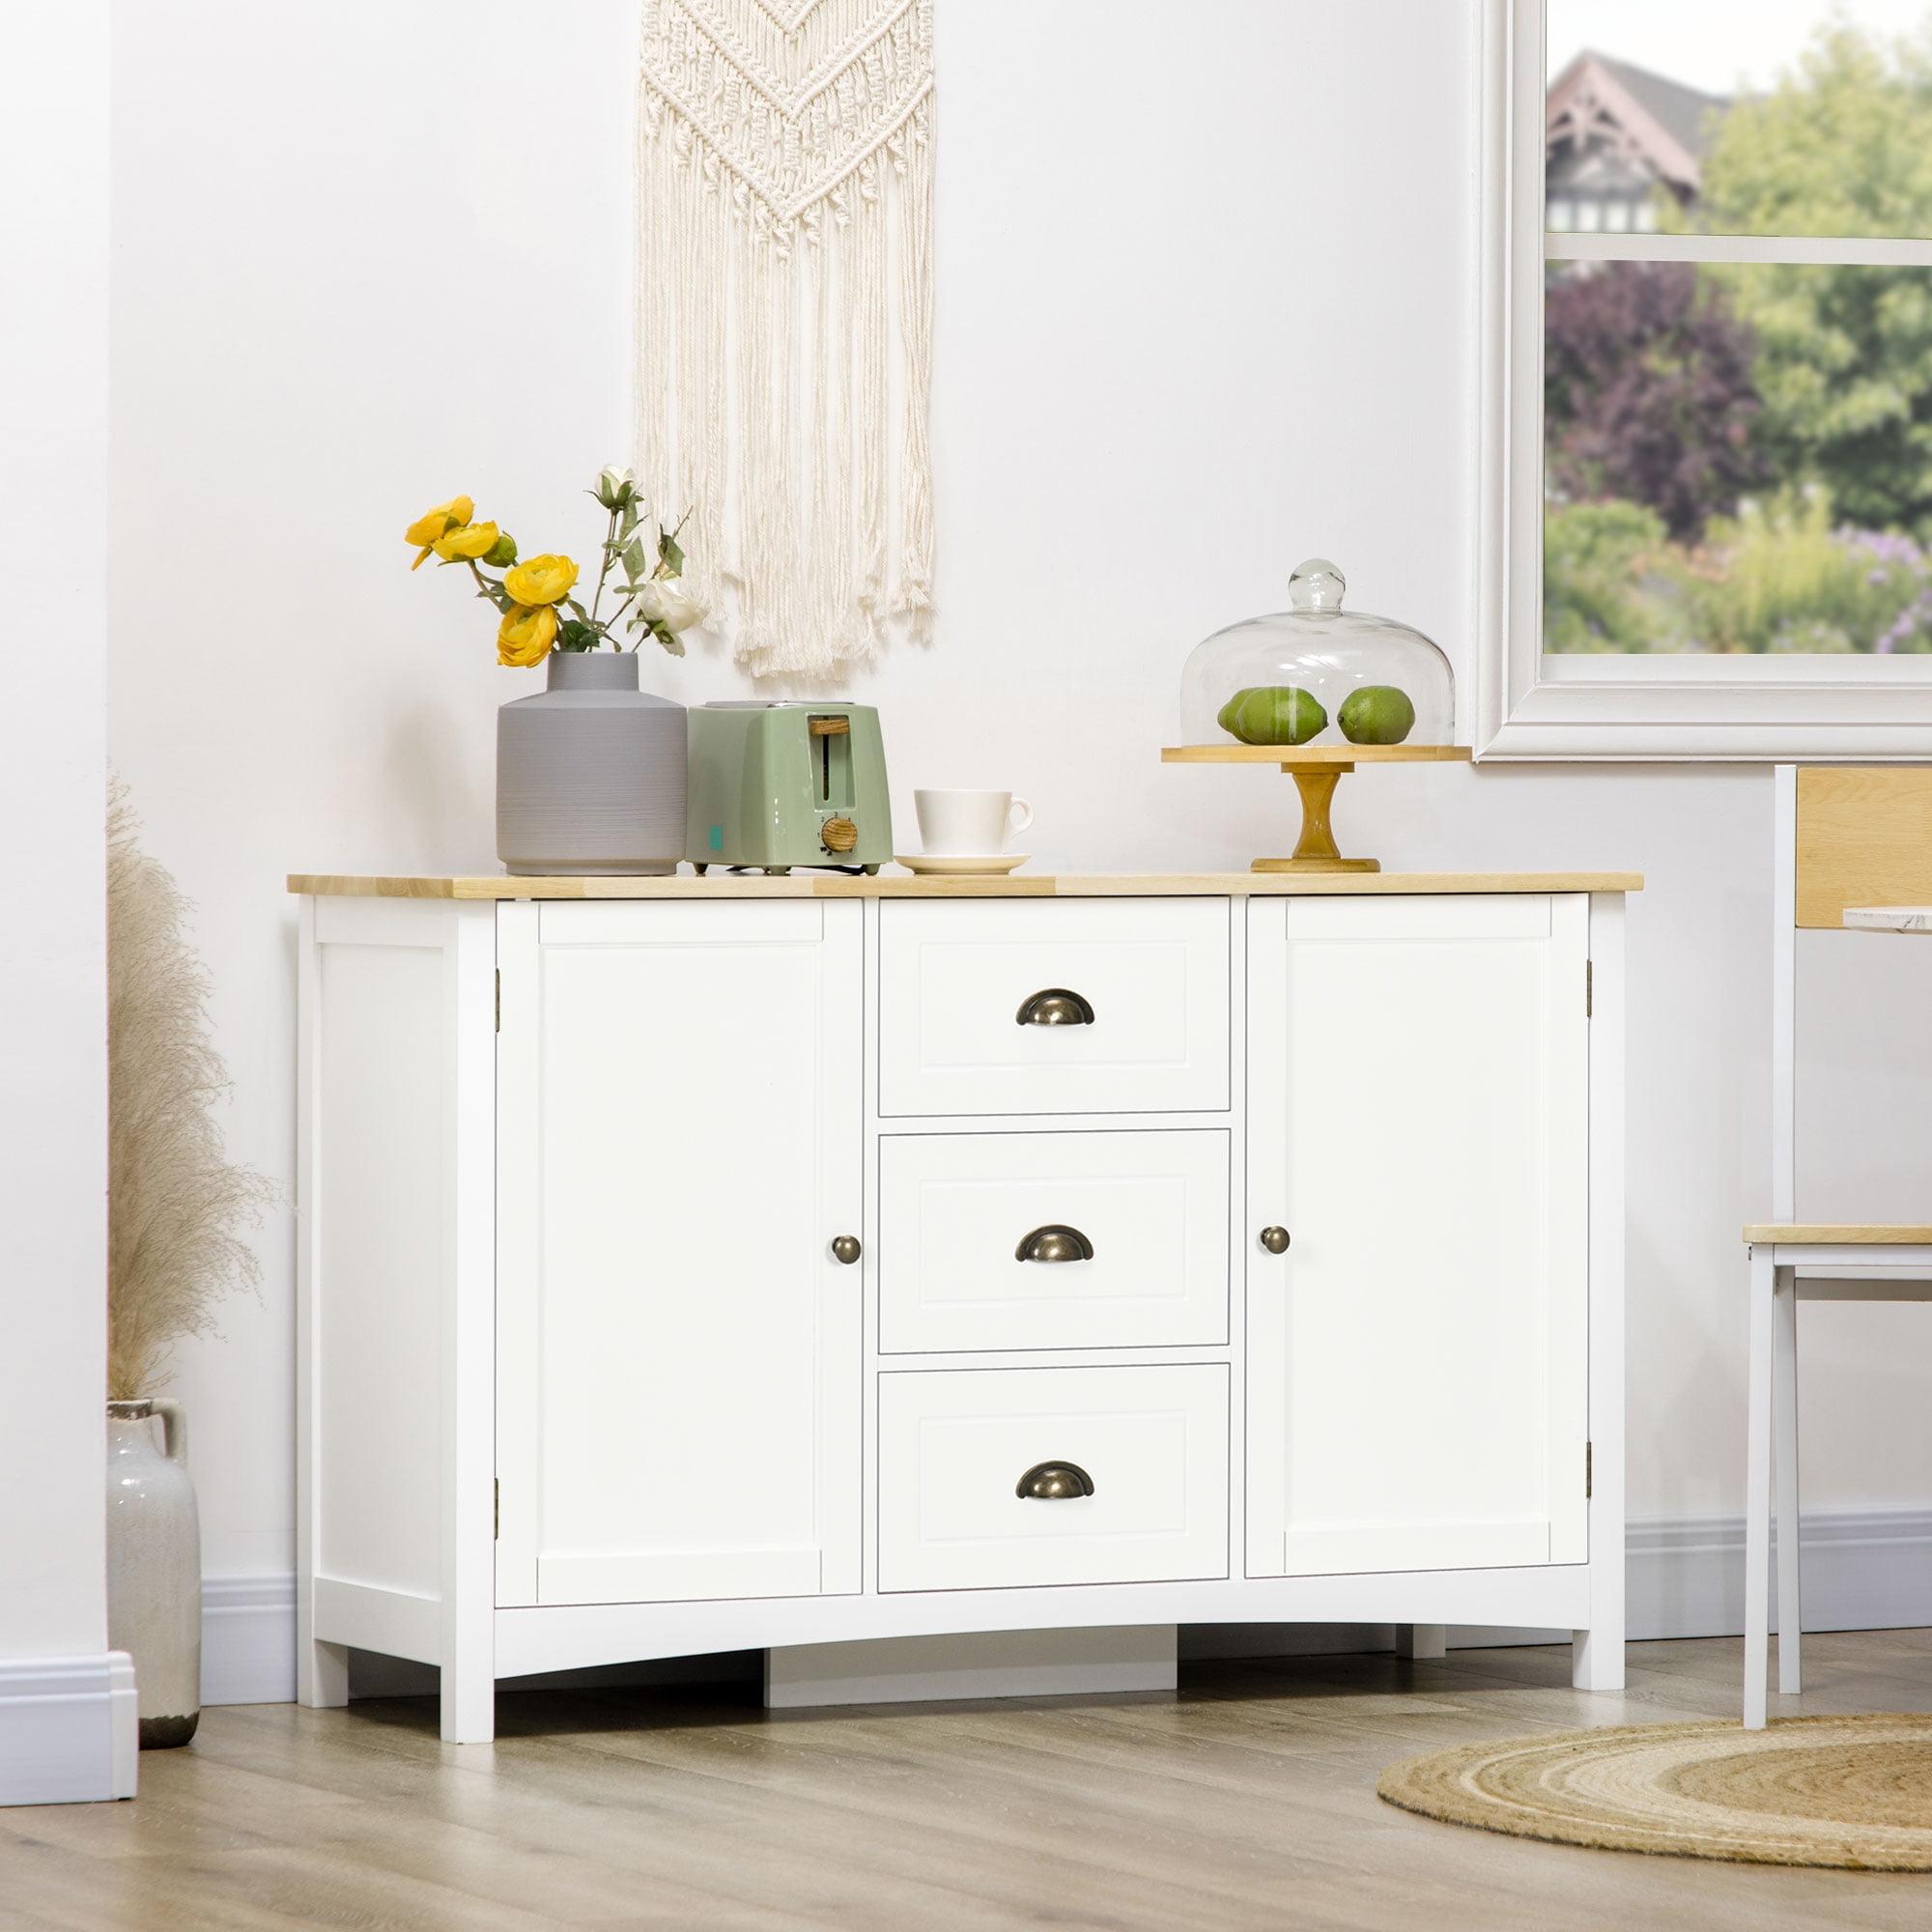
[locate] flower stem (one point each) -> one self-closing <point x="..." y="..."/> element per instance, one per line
<point x="489" y="589"/>
<point x="609" y="537"/>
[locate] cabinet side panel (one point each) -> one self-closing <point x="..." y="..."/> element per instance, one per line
<point x="379" y="1197"/>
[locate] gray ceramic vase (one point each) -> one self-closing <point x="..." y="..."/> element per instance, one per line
<point x="153" y="1567"/>
<point x="590" y="773"/>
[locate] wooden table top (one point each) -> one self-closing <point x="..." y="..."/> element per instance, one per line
<point x="685" y="885"/>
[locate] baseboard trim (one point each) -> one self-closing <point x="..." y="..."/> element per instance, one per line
<point x="1864" y="1570"/>
<point x="1101" y="1662"/>
<point x="248" y="1640"/>
<point x="70" y="1729"/>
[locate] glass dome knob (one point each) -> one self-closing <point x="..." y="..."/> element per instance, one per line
<point x="1317" y="586"/>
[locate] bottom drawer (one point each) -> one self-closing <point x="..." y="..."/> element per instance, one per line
<point x="1139" y="1457"/>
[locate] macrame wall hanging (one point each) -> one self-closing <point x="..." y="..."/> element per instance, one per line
<point x="784" y="276"/>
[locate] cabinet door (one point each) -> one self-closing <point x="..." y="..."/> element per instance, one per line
<point x="679" y="1352"/>
<point x="1419" y="1115"/>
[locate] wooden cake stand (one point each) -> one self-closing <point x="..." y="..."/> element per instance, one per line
<point x="1317" y="769"/>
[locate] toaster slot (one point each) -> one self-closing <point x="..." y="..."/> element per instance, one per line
<point x="831" y="763"/>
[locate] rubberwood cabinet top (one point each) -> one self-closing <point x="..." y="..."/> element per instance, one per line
<point x="904" y="886"/>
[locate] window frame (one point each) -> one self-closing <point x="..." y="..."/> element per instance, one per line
<point x="1623" y="707"/>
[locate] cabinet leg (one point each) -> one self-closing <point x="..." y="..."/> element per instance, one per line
<point x="1422" y="1640"/>
<point x="1597" y="1659"/>
<point x="468" y="1706"/>
<point x="322" y="1675"/>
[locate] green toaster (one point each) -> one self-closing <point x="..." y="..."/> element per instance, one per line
<point x="784" y="785"/>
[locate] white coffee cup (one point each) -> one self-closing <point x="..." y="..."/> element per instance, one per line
<point x="970" y="824"/>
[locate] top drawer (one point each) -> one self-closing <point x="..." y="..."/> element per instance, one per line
<point x="1134" y="1017"/>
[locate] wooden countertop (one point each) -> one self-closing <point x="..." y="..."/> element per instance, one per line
<point x="905" y="886"/>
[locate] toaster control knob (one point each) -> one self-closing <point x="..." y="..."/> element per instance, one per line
<point x="840" y="834"/>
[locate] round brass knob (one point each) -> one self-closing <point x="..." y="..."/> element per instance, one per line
<point x="1056" y="1006"/>
<point x="845" y="1248"/>
<point x="1054" y="1243"/>
<point x="1054" y="1483"/>
<point x="840" y="834"/>
<point x="1275" y="1240"/>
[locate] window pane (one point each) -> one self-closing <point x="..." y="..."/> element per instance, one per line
<point x="1737" y="457"/>
<point x="1742" y="117"/>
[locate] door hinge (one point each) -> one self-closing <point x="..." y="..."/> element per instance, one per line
<point x="1589" y="988"/>
<point x="496" y="1506"/>
<point x="500" y="999"/>
<point x="1589" y="1471"/>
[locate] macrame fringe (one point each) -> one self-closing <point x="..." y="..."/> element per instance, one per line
<point x="773" y="348"/>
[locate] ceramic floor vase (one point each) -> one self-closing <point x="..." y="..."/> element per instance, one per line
<point x="154" y="1566"/>
<point x="590" y="773"/>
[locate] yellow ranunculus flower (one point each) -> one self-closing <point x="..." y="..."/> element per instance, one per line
<point x="541" y="580"/>
<point x="436" y="523"/>
<point x="524" y="635"/>
<point x="466" y="540"/>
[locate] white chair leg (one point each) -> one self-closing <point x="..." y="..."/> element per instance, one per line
<point x="1785" y="1412"/>
<point x="1757" y="1488"/>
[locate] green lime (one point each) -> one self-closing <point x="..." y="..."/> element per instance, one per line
<point x="1377" y="714"/>
<point x="1273" y="713"/>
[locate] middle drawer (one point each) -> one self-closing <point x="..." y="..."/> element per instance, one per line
<point x="1109" y="1239"/>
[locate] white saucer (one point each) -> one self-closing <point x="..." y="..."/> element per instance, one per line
<point x="960" y="865"/>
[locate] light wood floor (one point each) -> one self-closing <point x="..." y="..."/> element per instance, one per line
<point x="1248" y="1801"/>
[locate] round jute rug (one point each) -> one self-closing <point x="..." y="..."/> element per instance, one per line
<point x="1854" y="1793"/>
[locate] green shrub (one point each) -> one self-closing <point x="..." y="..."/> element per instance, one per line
<point x="1780" y="577"/>
<point x="1598" y="563"/>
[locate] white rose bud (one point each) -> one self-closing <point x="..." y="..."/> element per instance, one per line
<point x="666" y="601"/>
<point x="615" y="487"/>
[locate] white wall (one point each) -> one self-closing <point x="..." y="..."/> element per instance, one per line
<point x="1204" y="307"/>
<point x="53" y="1041"/>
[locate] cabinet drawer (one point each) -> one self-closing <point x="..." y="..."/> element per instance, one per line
<point x="1143" y="1217"/>
<point x="955" y="1445"/>
<point x="1144" y="980"/>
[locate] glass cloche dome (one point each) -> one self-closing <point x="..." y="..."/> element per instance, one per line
<point x="1318" y="676"/>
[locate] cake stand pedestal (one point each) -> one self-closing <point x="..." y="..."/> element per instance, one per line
<point x="1317" y="769"/>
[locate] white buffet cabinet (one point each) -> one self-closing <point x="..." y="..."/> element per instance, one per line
<point x="713" y="1265"/>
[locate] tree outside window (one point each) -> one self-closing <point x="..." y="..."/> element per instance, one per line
<point x="1738" y="447"/>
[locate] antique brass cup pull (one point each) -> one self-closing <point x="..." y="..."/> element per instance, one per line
<point x="1054" y="1482"/>
<point x="1056" y="1006"/>
<point x="1054" y="1243"/>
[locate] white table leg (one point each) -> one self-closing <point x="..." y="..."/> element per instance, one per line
<point x="1784" y="1415"/>
<point x="1757" y="1488"/>
<point x="1422" y="1640"/>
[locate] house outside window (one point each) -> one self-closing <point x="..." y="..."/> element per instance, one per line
<point x="1708" y="420"/>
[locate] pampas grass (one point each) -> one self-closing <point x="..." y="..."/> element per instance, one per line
<point x="176" y="1203"/>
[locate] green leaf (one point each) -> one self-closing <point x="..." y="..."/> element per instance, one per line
<point x="637" y="564"/>
<point x="628" y="520"/>
<point x="668" y="550"/>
